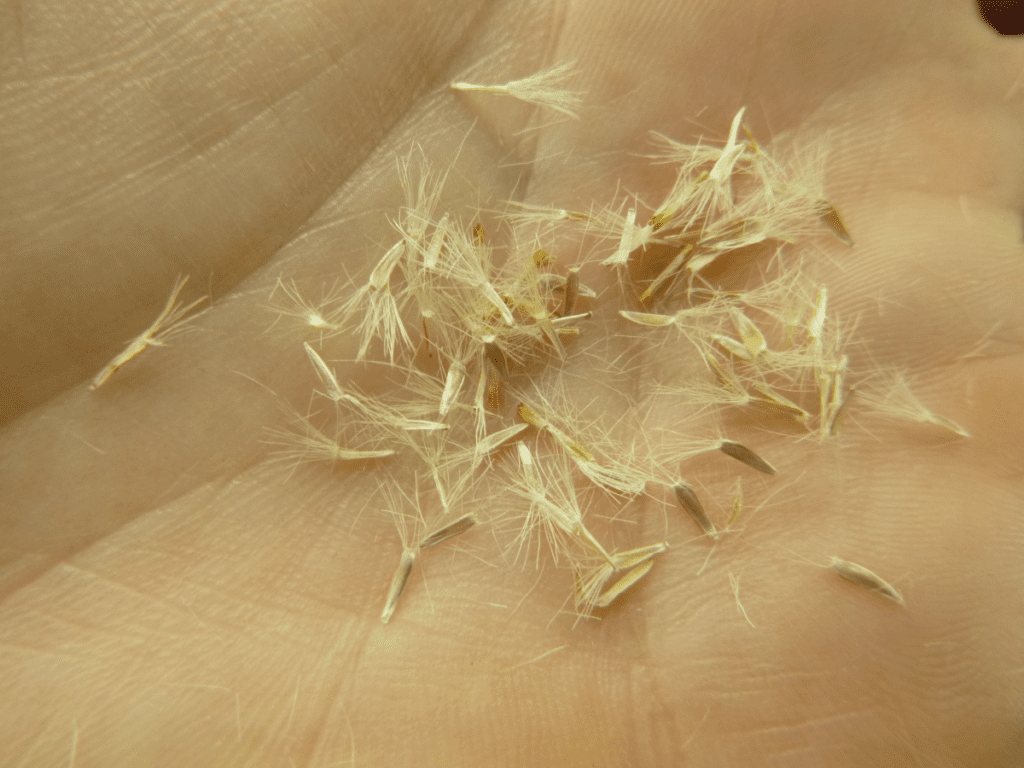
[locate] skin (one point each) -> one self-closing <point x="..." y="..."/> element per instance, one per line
<point x="170" y="596"/>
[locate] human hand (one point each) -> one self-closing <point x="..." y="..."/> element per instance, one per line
<point x="172" y="596"/>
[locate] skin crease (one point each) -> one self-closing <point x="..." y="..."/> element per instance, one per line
<point x="171" y="596"/>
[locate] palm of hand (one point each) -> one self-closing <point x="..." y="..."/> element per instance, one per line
<point x="168" y="598"/>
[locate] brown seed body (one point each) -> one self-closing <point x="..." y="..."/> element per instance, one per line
<point x="496" y="358"/>
<point x="688" y="500"/>
<point x="572" y="291"/>
<point x="746" y="456"/>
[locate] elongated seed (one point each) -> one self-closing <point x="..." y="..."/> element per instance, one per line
<point x="633" y="557"/>
<point x="496" y="358"/>
<point x="840" y="412"/>
<point x="648" y="319"/>
<point x="732" y="346"/>
<point x="746" y="456"/>
<point x="441" y="492"/>
<point x="526" y="414"/>
<point x="398" y="583"/>
<point x="670" y="270"/>
<point x="572" y="291"/>
<point x="862" y="577"/>
<point x="495" y="396"/>
<point x="452" y="384"/>
<point x="830" y="216"/>
<point x="770" y="396"/>
<point x="558" y="322"/>
<point x="492" y="441"/>
<point x="688" y="500"/>
<point x="620" y="586"/>
<point x="348" y="454"/>
<point x="449" y="531"/>
<point x="434" y="249"/>
<point x="576" y="449"/>
<point x="816" y="326"/>
<point x="737" y="503"/>
<point x="381" y="273"/>
<point x="626" y="242"/>
<point x="752" y="337"/>
<point x="326" y="375"/>
<point x="952" y="426"/>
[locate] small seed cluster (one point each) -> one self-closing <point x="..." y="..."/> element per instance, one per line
<point x="468" y="341"/>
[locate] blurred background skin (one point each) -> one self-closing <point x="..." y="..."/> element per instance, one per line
<point x="167" y="597"/>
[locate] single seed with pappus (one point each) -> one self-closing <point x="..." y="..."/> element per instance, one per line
<point x="171" y="321"/>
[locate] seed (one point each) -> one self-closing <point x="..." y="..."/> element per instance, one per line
<point x="688" y="500"/>
<point x="401" y="578"/>
<point x="817" y="323"/>
<point x="737" y="503"/>
<point x="495" y="396"/>
<point x="660" y="219"/>
<point x="526" y="414"/>
<point x="496" y="358"/>
<point x="542" y="88"/>
<point x="434" y="250"/>
<point x="840" y="412"/>
<point x="645" y="318"/>
<point x="633" y="557"/>
<point x="452" y="384"/>
<point x="449" y="531"/>
<point x="667" y="272"/>
<point x="732" y="346"/>
<point x="541" y="258"/>
<point x="326" y="375"/>
<point x="862" y="577"/>
<point x="830" y="216"/>
<point x="627" y="242"/>
<point x="492" y="441"/>
<point x="578" y="449"/>
<point x="572" y="290"/>
<point x="752" y="337"/>
<point x="171" y="321"/>
<point x="769" y="395"/>
<point x="620" y="586"/>
<point x="746" y="456"/>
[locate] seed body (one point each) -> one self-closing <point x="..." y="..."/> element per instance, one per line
<point x="862" y="577"/>
<point x="746" y="456"/>
<point x="688" y="500"/>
